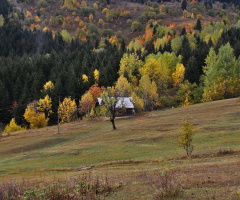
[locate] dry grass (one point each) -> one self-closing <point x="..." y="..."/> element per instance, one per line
<point x="146" y="144"/>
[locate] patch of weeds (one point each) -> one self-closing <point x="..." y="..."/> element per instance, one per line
<point x="166" y="185"/>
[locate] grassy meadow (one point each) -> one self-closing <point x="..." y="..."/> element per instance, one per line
<point x="133" y="157"/>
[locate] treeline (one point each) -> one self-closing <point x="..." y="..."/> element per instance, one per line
<point x="30" y="59"/>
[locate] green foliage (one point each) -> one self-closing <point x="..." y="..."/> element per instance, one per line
<point x="189" y="94"/>
<point x="148" y="92"/>
<point x="213" y="32"/>
<point x="107" y="33"/>
<point x="135" y="46"/>
<point x="176" y="44"/>
<point x="129" y="67"/>
<point x="163" y="30"/>
<point x="222" y="74"/>
<point x="66" y="36"/>
<point x="85" y="12"/>
<point x="136" y="26"/>
<point x="160" y="68"/>
<point x="185" y="136"/>
<point x="161" y="42"/>
<point x="2" y="20"/>
<point x="109" y="100"/>
<point x="92" y="29"/>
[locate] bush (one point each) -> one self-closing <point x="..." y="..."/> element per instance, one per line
<point x="92" y="29"/>
<point x="12" y="127"/>
<point x="211" y="13"/>
<point x="129" y="21"/>
<point x="85" y="12"/>
<point x="142" y="19"/>
<point x="107" y="33"/>
<point x="136" y="26"/>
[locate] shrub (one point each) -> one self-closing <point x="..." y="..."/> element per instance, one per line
<point x="101" y="23"/>
<point x="12" y="127"/>
<point x="136" y="26"/>
<point x="107" y="33"/>
<point x="129" y="21"/>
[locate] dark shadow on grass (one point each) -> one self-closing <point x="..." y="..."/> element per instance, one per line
<point x="37" y="145"/>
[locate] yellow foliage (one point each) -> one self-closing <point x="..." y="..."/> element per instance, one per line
<point x="96" y="75"/>
<point x="37" y="19"/>
<point x="48" y="86"/>
<point x="86" y="102"/>
<point x="29" y="14"/>
<point x="104" y="11"/>
<point x="45" y="105"/>
<point x="12" y="127"/>
<point x="95" y="6"/>
<point x="85" y="78"/>
<point x="178" y="75"/>
<point x="67" y="110"/>
<point x="35" y="119"/>
<point x="84" y="4"/>
<point x="45" y="29"/>
<point x="122" y="87"/>
<point x="101" y="23"/>
<point x="77" y="19"/>
<point x="113" y="40"/>
<point x="91" y="17"/>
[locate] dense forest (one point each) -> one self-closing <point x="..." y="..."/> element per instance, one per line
<point x="179" y="65"/>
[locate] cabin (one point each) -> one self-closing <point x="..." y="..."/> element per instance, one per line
<point x="125" y="106"/>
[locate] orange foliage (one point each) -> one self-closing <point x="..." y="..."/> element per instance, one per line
<point x="95" y="91"/>
<point x="141" y="41"/>
<point x="32" y="26"/>
<point x="172" y="26"/>
<point x="68" y="19"/>
<point x="77" y="19"/>
<point x="113" y="40"/>
<point x="148" y="35"/>
<point x="193" y="2"/>
<point x="169" y="37"/>
<point x="29" y="14"/>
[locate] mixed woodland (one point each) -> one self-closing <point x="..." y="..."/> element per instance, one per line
<point x="59" y="56"/>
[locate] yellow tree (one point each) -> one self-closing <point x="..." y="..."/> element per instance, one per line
<point x="45" y="105"/>
<point x="36" y="119"/>
<point x="185" y="136"/>
<point x="96" y="75"/>
<point x="122" y="87"/>
<point x="85" y="78"/>
<point x="86" y="102"/>
<point x="67" y="110"/>
<point x="148" y="91"/>
<point x="178" y="75"/>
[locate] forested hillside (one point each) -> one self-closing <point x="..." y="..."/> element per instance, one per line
<point x="62" y="54"/>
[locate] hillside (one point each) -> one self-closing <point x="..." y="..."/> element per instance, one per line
<point x="118" y="16"/>
<point x="134" y="156"/>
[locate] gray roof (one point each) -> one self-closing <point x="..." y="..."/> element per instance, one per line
<point x="123" y="102"/>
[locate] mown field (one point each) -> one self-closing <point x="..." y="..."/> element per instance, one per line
<point x="133" y="158"/>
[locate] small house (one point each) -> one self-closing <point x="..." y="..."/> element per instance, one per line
<point x="125" y="105"/>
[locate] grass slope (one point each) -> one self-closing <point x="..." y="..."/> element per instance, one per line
<point x="144" y="143"/>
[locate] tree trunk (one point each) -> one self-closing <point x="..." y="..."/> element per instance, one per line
<point x="113" y="124"/>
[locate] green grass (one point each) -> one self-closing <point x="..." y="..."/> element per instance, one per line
<point x="147" y="142"/>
